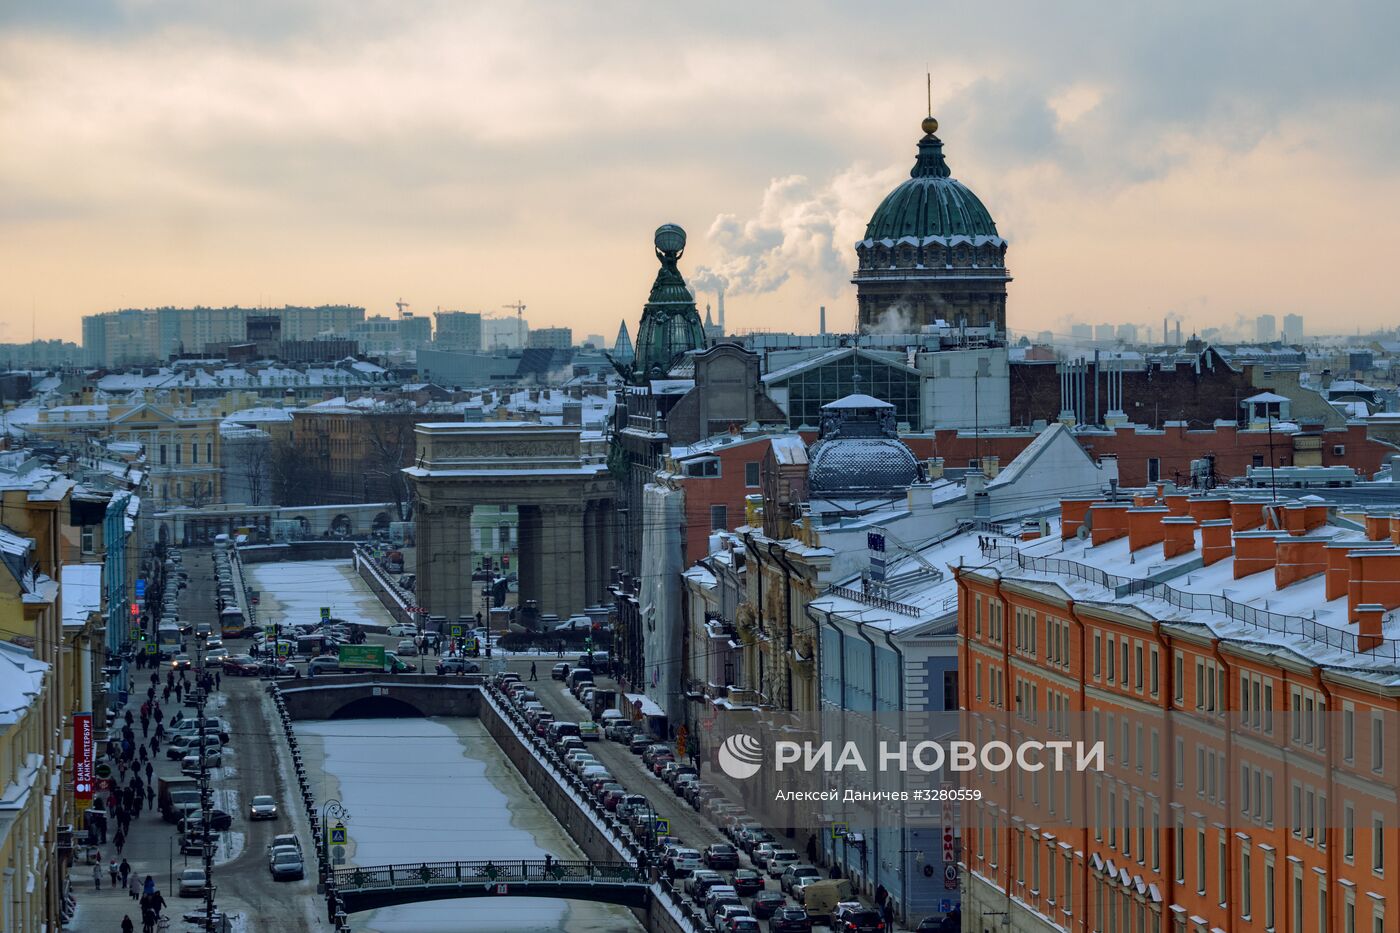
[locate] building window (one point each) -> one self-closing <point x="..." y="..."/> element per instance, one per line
<point x="751" y="474"/>
<point x="719" y="517"/>
<point x="1377" y="743"/>
<point x="1348" y="832"/>
<point x="162" y="455"/>
<point x="1377" y="846"/>
<point x="1154" y="469"/>
<point x="88" y="545"/>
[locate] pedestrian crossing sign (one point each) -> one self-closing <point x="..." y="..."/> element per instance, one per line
<point x="151" y="648"/>
<point x="839" y="830"/>
<point x="456" y="631"/>
<point x="663" y="827"/>
<point x="339" y="836"/>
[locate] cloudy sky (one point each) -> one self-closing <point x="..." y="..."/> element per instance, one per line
<point x="1203" y="160"/>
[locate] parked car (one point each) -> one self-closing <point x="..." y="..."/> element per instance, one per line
<point x="402" y="630"/>
<point x="560" y="671"/>
<point x="191" y="765"/>
<point x="778" y="862"/>
<point x="262" y="807"/>
<point x="589" y="731"/>
<point x="793" y="873"/>
<point x="458" y="666"/>
<point x="639" y="744"/>
<point x="285" y="839"/>
<point x="864" y="920"/>
<point x="194" y="843"/>
<point x="407" y="648"/>
<point x="747" y="882"/>
<point x="790" y="920"/>
<point x="193" y="882"/>
<point x="721" y="855"/>
<point x="700" y="878"/>
<point x="240" y="665"/>
<point x="766" y="902"/>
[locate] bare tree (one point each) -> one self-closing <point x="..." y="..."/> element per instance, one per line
<point x="298" y="477"/>
<point x="391" y="443"/>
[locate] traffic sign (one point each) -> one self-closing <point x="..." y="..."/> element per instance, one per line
<point x="136" y="633"/>
<point x="456" y="631"/>
<point x="140" y="587"/>
<point x="339" y="835"/>
<point x="325" y="613"/>
<point x="662" y="826"/>
<point x="839" y="830"/>
<point x="151" y="648"/>
<point x="338" y="855"/>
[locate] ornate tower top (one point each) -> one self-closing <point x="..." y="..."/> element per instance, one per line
<point x="670" y="322"/>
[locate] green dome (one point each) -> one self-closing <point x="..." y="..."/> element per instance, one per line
<point x="931" y="203"/>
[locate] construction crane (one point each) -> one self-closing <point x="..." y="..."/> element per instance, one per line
<point x="401" y="304"/>
<point x="519" y="309"/>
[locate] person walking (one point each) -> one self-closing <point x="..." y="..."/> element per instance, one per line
<point x="148" y="886"/>
<point x="150" y="798"/>
<point x="533" y="675"/>
<point x="127" y="926"/>
<point x="113" y="871"/>
<point x="133" y="887"/>
<point x="119" y="839"/>
<point x="125" y="871"/>
<point x="97" y="874"/>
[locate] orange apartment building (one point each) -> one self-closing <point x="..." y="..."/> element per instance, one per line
<point x="1239" y="662"/>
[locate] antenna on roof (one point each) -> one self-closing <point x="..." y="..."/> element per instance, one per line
<point x="928" y="75"/>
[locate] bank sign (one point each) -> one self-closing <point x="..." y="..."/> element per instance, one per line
<point x="82" y="756"/>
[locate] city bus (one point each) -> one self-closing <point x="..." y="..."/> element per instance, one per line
<point x="170" y="639"/>
<point x="231" y="622"/>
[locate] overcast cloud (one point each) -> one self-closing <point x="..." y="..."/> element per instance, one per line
<point x="1206" y="160"/>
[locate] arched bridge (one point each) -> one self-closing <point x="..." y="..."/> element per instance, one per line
<point x="384" y="886"/>
<point x="361" y="696"/>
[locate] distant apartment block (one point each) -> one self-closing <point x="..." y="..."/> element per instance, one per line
<point x="1292" y="328"/>
<point x="551" y="338"/>
<point x="457" y="330"/>
<point x="1266" y="328"/>
<point x="145" y="335"/>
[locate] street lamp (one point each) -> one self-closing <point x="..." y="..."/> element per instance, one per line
<point x="330" y="808"/>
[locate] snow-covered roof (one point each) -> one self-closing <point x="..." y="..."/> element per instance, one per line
<point x="21" y="681"/>
<point x="856" y="401"/>
<point x="82" y="592"/>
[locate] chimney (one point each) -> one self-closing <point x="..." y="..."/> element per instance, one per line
<point x="991" y="466"/>
<point x="1254" y="551"/>
<point x="1316" y="516"/>
<point x="1338" y="571"/>
<point x="1377" y="527"/>
<point x="1176" y="503"/>
<point x="1295" y="518"/>
<point x="1144" y="499"/>
<point x="1072" y="514"/>
<point x="821" y="319"/>
<point x="1145" y="527"/>
<point x="719" y="297"/>
<point x="1215" y="540"/>
<point x="1207" y="509"/>
<point x="933" y="468"/>
<point x="1108" y="522"/>
<point x="1368" y="636"/>
<point x="1375" y="578"/>
<point x="1178" y="535"/>
<point x="1395" y="529"/>
<point x="1298" y="558"/>
<point x="1245" y="516"/>
<point x="573" y="413"/>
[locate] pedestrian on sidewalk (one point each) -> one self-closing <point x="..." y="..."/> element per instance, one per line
<point x="127" y="926"/>
<point x="114" y="871"/>
<point x="166" y="693"/>
<point x="126" y="871"/>
<point x="150" y="769"/>
<point x="218" y="680"/>
<point x="533" y="675"/>
<point x="133" y="887"/>
<point x="119" y="839"/>
<point x="889" y="913"/>
<point x="150" y="798"/>
<point x="148" y="886"/>
<point x="97" y="874"/>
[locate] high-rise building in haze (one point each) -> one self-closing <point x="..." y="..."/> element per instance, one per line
<point x="1265" y="328"/>
<point x="1293" y="328"/>
<point x="1103" y="332"/>
<point x="504" y="333"/>
<point x="1081" y="331"/>
<point x="457" y="330"/>
<point x="552" y="338"/>
<point x="145" y="335"/>
<point x="1127" y="333"/>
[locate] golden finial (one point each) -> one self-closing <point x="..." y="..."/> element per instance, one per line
<point x="930" y="125"/>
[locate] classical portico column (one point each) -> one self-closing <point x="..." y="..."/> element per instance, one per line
<point x="530" y="549"/>
<point x="562" y="533"/>
<point x="445" y="560"/>
<point x="591" y="557"/>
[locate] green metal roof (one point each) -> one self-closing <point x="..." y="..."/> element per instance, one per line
<point x="931" y="203"/>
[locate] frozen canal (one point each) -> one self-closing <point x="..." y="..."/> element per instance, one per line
<point x="425" y="789"/>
